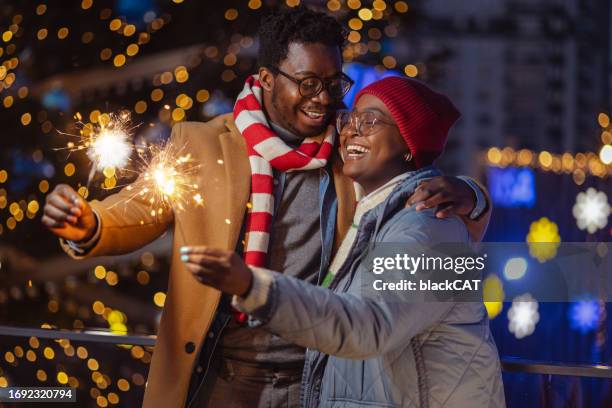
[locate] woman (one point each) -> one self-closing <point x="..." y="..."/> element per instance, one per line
<point x="365" y="349"/>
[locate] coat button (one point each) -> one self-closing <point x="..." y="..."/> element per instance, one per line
<point x="190" y="347"/>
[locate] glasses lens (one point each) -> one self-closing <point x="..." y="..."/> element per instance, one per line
<point x="310" y="87"/>
<point x="342" y="120"/>
<point x="345" y="84"/>
<point x="339" y="87"/>
<point x="366" y="123"/>
<point x="335" y="88"/>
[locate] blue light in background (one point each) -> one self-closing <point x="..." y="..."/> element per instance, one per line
<point x="512" y="186"/>
<point x="218" y="104"/>
<point x="584" y="315"/>
<point x="27" y="171"/>
<point x="134" y="10"/>
<point x="56" y="99"/>
<point x="363" y="75"/>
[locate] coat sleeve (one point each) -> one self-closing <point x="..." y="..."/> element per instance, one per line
<point x="355" y="325"/>
<point x="478" y="227"/>
<point x="126" y="220"/>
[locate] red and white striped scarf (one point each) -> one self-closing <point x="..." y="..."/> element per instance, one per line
<point x="267" y="150"/>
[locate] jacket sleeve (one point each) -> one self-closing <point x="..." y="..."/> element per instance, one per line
<point x="126" y="220"/>
<point x="352" y="325"/>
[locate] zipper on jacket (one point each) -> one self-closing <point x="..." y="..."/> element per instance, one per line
<point x="305" y="384"/>
<point x="315" y="384"/>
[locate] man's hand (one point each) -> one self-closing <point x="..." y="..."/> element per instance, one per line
<point x="219" y="268"/>
<point x="449" y="194"/>
<point x="68" y="216"/>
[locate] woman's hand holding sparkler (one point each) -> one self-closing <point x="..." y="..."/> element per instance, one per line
<point x="68" y="215"/>
<point x="220" y="268"/>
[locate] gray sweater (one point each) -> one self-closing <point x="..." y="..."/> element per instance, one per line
<point x="295" y="248"/>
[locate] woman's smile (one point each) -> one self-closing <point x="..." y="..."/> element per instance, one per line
<point x="355" y="151"/>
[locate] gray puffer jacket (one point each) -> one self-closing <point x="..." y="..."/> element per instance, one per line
<point x="364" y="351"/>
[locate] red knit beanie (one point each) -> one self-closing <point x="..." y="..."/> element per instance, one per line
<point x="422" y="115"/>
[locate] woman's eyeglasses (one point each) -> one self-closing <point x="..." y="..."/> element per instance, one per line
<point x="365" y="123"/>
<point x="311" y="86"/>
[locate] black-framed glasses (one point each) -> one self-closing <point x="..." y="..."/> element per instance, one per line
<point x="311" y="86"/>
<point x="366" y="123"/>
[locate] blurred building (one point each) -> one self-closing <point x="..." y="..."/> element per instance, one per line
<point x="525" y="73"/>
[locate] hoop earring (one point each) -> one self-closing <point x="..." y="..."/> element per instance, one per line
<point x="408" y="157"/>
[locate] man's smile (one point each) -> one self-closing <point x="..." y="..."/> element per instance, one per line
<point x="314" y="116"/>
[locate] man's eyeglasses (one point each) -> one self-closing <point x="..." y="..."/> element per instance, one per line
<point x="311" y="86"/>
<point x="365" y="123"/>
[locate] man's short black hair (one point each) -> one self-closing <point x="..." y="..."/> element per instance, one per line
<point x="298" y="24"/>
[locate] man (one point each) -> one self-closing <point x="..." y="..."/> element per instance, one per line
<point x="280" y="166"/>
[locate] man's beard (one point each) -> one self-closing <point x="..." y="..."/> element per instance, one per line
<point x="288" y="125"/>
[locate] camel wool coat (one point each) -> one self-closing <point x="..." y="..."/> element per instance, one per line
<point x="223" y="180"/>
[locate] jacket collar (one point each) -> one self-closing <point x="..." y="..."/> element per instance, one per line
<point x="398" y="197"/>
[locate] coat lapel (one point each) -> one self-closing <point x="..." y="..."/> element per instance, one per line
<point x="238" y="176"/>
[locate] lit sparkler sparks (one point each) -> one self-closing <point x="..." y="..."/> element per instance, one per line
<point x="111" y="148"/>
<point x="108" y="142"/>
<point x="168" y="178"/>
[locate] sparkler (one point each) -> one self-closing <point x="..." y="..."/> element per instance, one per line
<point x="108" y="142"/>
<point x="166" y="173"/>
<point x="167" y="179"/>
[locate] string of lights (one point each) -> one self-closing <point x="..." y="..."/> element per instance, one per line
<point x="579" y="165"/>
<point x="358" y="16"/>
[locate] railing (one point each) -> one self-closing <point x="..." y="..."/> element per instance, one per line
<point x="516" y="365"/>
<point x="85" y="335"/>
<point x="509" y="364"/>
